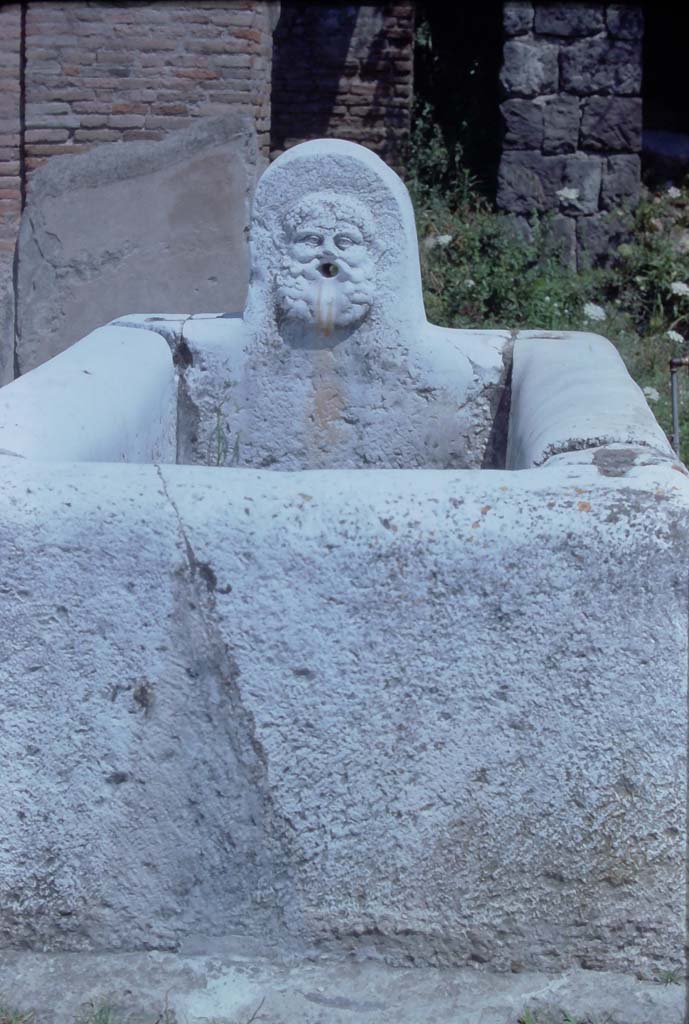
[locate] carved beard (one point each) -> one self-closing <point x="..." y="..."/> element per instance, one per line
<point x="304" y="294"/>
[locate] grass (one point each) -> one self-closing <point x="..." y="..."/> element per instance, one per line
<point x="106" y="1013"/>
<point x="477" y="273"/>
<point x="8" y="1016"/>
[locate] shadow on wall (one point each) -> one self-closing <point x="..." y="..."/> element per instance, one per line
<point x="309" y="61"/>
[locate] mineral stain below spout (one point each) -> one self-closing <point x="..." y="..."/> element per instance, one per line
<point x="327" y="301"/>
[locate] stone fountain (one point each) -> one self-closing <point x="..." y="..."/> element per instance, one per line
<point x="334" y="634"/>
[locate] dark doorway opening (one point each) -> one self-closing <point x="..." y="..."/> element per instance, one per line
<point x="457" y="60"/>
<point x="665" y="92"/>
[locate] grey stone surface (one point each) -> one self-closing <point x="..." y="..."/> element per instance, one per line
<point x="570" y="19"/>
<point x="621" y="184"/>
<point x="517" y="18"/>
<point x="334" y="364"/>
<point x="599" y="236"/>
<point x="6" y="324"/>
<point x="561" y="116"/>
<point x="529" y="181"/>
<point x="136" y="225"/>
<point x="229" y="984"/>
<point x="611" y="123"/>
<point x="372" y="713"/>
<point x="561" y="238"/>
<point x="592" y="66"/>
<point x="581" y="182"/>
<point x="626" y="21"/>
<point x="111" y="397"/>
<point x="529" y="68"/>
<point x="246" y="736"/>
<point x="523" y="120"/>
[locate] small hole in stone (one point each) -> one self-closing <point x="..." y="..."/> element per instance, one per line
<point x="328" y="269"/>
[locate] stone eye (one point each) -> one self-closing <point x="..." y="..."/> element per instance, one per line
<point x="310" y="239"/>
<point x="343" y="241"/>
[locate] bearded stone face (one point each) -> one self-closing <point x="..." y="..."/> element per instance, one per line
<point x="325" y="277"/>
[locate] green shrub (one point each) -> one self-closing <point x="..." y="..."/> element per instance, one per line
<point x="478" y="271"/>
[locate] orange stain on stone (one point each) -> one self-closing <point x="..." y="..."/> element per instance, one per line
<point x="584" y="506"/>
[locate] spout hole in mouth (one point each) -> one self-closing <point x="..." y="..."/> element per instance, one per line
<point x="328" y="269"/>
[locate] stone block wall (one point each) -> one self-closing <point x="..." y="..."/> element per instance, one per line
<point x="571" y="80"/>
<point x="10" y="129"/>
<point x="343" y="71"/>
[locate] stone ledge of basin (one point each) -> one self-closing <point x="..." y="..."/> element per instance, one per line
<point x="196" y="989"/>
<point x="572" y="390"/>
<point x="228" y="660"/>
<point x="111" y="397"/>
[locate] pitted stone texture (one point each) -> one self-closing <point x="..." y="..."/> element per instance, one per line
<point x="6" y="324"/>
<point x="569" y="19"/>
<point x="529" y="68"/>
<point x="581" y="180"/>
<point x="335" y="364"/>
<point x="611" y="123"/>
<point x="599" y="235"/>
<point x="626" y="21"/>
<point x="601" y="66"/>
<point x="523" y="120"/>
<point x="570" y="390"/>
<point x="111" y="397"/>
<point x="529" y="181"/>
<point x="255" y="728"/>
<point x="561" y="115"/>
<point x="144" y="225"/>
<point x="233" y="980"/>
<point x="517" y="18"/>
<point x="620" y="185"/>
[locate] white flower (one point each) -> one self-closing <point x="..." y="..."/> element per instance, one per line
<point x="469" y="283"/>
<point x="675" y="336"/>
<point x="679" y="288"/>
<point x="594" y="312"/>
<point x="651" y="394"/>
<point x="437" y="241"/>
<point x="673" y="193"/>
<point x="568" y="194"/>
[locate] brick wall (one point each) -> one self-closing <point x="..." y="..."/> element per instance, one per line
<point x="100" y="72"/>
<point x="10" y="128"/>
<point x="343" y="71"/>
<point x="571" y="78"/>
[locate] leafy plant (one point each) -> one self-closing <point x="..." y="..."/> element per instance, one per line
<point x="9" y="1016"/>
<point x="479" y="271"/>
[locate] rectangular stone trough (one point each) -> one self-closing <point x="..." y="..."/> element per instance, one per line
<point x="432" y="714"/>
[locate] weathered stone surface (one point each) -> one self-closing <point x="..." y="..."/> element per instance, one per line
<point x="523" y="121"/>
<point x="122" y="402"/>
<point x="581" y="181"/>
<point x="561" y="238"/>
<point x="334" y="364"/>
<point x="599" y="236"/>
<point x="6" y="324"/>
<point x="611" y="123"/>
<point x="225" y="980"/>
<point x="571" y="19"/>
<point x="381" y="713"/>
<point x="528" y="182"/>
<point x="561" y="116"/>
<point x="621" y="183"/>
<point x="237" y="733"/>
<point x="601" y="66"/>
<point x="626" y="21"/>
<point x="138" y="226"/>
<point x="517" y="18"/>
<point x="529" y="68"/>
